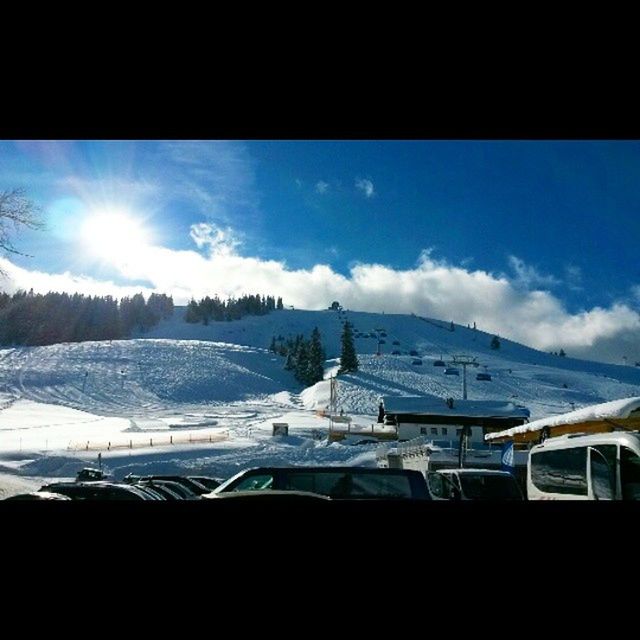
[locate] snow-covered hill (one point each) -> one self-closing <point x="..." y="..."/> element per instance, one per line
<point x="221" y="378"/>
<point x="544" y="382"/>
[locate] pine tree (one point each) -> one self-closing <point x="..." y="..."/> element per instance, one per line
<point x="562" y="353"/>
<point x="315" y="369"/>
<point x="193" y="312"/>
<point x="495" y="342"/>
<point x="302" y="362"/>
<point x="279" y="304"/>
<point x="272" y="346"/>
<point x="289" y="363"/>
<point x="348" y="357"/>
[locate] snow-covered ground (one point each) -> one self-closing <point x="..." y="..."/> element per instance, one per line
<point x="202" y="399"/>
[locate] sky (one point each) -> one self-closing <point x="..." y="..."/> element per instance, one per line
<point x="533" y="240"/>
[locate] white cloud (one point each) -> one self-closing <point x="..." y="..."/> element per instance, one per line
<point x="217" y="176"/>
<point x="366" y="186"/>
<point x="321" y="186"/>
<point x="219" y="241"/>
<point x="41" y="282"/>
<point x="528" y="277"/>
<point x="432" y="288"/>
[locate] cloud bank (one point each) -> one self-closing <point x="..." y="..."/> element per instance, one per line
<point x="496" y="303"/>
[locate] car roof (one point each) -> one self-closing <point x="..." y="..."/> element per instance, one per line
<point x="99" y="485"/>
<point x="189" y="482"/>
<point x="39" y="495"/>
<point x="629" y="438"/>
<point x="268" y="494"/>
<point x="475" y="472"/>
<point x="327" y="469"/>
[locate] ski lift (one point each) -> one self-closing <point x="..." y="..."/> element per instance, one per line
<point x="439" y="363"/>
<point x="417" y="361"/>
<point x="413" y="352"/>
<point x="382" y="342"/>
<point x="484" y="376"/>
<point x="397" y="342"/>
<point x="451" y="371"/>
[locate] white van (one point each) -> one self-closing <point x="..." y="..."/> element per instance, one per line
<point x="603" y="466"/>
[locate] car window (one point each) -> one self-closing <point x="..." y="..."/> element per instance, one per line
<point x="351" y="484"/>
<point x="254" y="483"/>
<point x="437" y="485"/>
<point x="489" y="487"/>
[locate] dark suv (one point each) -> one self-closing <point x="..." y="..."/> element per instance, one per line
<point x="361" y="483"/>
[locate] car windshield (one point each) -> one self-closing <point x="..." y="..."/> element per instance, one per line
<point x="490" y="487"/>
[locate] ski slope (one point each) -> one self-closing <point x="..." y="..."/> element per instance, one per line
<point x="192" y="381"/>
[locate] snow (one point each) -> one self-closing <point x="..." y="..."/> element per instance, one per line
<point x="202" y="399"/>
<point x="432" y="405"/>
<point x="616" y="409"/>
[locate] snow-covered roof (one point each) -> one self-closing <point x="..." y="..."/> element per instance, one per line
<point x="432" y="405"/>
<point x="619" y="409"/>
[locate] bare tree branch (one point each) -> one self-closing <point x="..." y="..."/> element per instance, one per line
<point x="16" y="211"/>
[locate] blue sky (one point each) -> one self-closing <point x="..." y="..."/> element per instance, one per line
<point x="534" y="240"/>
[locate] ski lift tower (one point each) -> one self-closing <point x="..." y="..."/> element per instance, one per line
<point x="465" y="361"/>
<point x="333" y="401"/>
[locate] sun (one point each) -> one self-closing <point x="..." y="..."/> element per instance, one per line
<point x="113" y="234"/>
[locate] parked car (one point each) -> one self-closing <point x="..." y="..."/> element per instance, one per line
<point x="89" y="474"/>
<point x="334" y="482"/>
<point x="597" y="466"/>
<point x="38" y="495"/>
<point x="98" y="490"/>
<point x="206" y="481"/>
<point x="473" y="484"/>
<point x="157" y="492"/>
<point x="191" y="484"/>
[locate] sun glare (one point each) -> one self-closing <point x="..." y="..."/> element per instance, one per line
<point x="113" y="235"/>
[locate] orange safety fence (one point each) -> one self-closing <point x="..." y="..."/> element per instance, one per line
<point x="150" y="442"/>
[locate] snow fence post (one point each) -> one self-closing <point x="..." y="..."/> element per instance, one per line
<point x="171" y="439"/>
<point x="130" y="444"/>
<point x="151" y="442"/>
